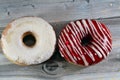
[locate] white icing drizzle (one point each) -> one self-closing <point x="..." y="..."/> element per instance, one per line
<point x="74" y="51"/>
<point x="100" y="50"/>
<point x="66" y="49"/>
<point x="81" y="28"/>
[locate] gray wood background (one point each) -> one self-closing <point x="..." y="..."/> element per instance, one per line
<point x="58" y="13"/>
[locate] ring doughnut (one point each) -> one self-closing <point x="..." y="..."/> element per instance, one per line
<point x="85" y="42"/>
<point x="28" y="40"/>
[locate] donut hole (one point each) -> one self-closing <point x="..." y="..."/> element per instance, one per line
<point x="86" y="40"/>
<point x="29" y="39"/>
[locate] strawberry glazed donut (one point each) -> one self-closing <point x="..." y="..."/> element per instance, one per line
<point x="28" y="40"/>
<point x="85" y="42"/>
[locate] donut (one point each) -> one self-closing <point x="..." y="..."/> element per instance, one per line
<point x="28" y="41"/>
<point x="85" y="42"/>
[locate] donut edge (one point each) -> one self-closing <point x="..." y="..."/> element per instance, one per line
<point x="4" y="33"/>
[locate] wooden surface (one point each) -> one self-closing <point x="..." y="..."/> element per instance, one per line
<point x="58" y="13"/>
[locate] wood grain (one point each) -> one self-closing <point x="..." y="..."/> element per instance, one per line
<point x="57" y="10"/>
<point x="58" y="13"/>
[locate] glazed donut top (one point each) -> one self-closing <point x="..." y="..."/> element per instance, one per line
<point x="85" y="42"/>
<point x="40" y="31"/>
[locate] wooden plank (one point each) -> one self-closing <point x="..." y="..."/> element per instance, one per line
<point x="94" y="76"/>
<point x="35" y="1"/>
<point x="98" y="76"/>
<point x="57" y="12"/>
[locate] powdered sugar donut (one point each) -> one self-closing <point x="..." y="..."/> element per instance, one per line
<point x="85" y="42"/>
<point x="28" y="40"/>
